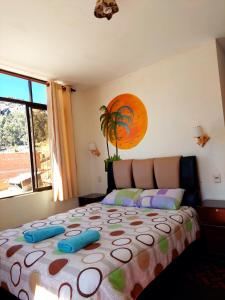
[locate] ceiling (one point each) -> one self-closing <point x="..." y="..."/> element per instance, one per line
<point x="62" y="40"/>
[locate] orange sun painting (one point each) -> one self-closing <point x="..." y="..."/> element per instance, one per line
<point x="134" y="115"/>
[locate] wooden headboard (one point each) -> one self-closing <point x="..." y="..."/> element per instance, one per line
<point x="175" y="171"/>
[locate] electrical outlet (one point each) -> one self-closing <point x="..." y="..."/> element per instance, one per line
<point x="99" y="179"/>
<point x="217" y="178"/>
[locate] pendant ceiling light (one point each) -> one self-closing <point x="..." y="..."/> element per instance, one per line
<point x="106" y="8"/>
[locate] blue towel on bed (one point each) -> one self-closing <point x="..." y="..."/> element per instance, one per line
<point x="37" y="235"/>
<point x="79" y="241"/>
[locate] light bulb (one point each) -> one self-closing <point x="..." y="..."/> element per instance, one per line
<point x="107" y="10"/>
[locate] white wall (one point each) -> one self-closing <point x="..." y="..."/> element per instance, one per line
<point x="179" y="93"/>
<point x="25" y="208"/>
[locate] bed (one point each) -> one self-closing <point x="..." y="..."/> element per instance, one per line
<point x="136" y="245"/>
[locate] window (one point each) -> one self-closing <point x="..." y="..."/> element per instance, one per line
<point x="39" y="93"/>
<point x="13" y="87"/>
<point x="24" y="146"/>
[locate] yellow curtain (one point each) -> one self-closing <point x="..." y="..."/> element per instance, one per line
<point x="61" y="139"/>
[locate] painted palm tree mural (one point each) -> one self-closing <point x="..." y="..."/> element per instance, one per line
<point x="105" y="121"/>
<point x="110" y="122"/>
<point x="123" y="123"/>
<point x="122" y="117"/>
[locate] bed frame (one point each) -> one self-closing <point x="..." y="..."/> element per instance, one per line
<point x="188" y="180"/>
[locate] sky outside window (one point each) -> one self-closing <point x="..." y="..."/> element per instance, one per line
<point x="17" y="88"/>
<point x="14" y="87"/>
<point x="39" y="93"/>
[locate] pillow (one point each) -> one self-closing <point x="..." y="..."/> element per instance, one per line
<point x="124" y="197"/>
<point x="161" y="198"/>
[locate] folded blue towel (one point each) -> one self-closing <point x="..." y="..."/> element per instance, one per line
<point x="79" y="241"/>
<point x="37" y="235"/>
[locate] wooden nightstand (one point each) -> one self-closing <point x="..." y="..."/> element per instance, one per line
<point x="90" y="198"/>
<point x="212" y="220"/>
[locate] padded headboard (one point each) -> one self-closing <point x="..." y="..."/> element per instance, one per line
<point x="180" y="171"/>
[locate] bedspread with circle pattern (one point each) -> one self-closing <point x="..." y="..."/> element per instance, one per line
<point x="135" y="246"/>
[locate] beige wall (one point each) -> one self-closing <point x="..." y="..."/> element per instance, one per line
<point x="221" y="65"/>
<point x="21" y="209"/>
<point x="179" y="93"/>
<point x="81" y="115"/>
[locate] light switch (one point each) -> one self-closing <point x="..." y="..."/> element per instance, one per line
<point x="217" y="178"/>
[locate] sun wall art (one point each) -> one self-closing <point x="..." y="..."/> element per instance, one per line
<point x="124" y="121"/>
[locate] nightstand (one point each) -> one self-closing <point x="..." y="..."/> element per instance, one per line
<point x="212" y="220"/>
<point x="90" y="198"/>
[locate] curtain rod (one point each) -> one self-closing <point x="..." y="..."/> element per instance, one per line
<point x="30" y="78"/>
<point x="63" y="87"/>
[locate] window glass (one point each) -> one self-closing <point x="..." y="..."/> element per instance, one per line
<point x="14" y="87"/>
<point x="41" y="142"/>
<point x="39" y="92"/>
<point x="15" y="167"/>
<point x="19" y="164"/>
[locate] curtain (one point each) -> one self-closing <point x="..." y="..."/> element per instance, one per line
<point x="61" y="139"/>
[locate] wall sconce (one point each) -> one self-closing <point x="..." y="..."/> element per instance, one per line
<point x="93" y="149"/>
<point x="200" y="136"/>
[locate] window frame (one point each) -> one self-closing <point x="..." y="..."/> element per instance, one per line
<point x="29" y="105"/>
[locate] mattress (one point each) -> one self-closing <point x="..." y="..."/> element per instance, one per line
<point x="136" y="245"/>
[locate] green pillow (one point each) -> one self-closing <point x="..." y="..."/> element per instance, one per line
<point x="124" y="197"/>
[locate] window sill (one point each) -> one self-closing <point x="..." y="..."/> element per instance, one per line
<point x="28" y="193"/>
